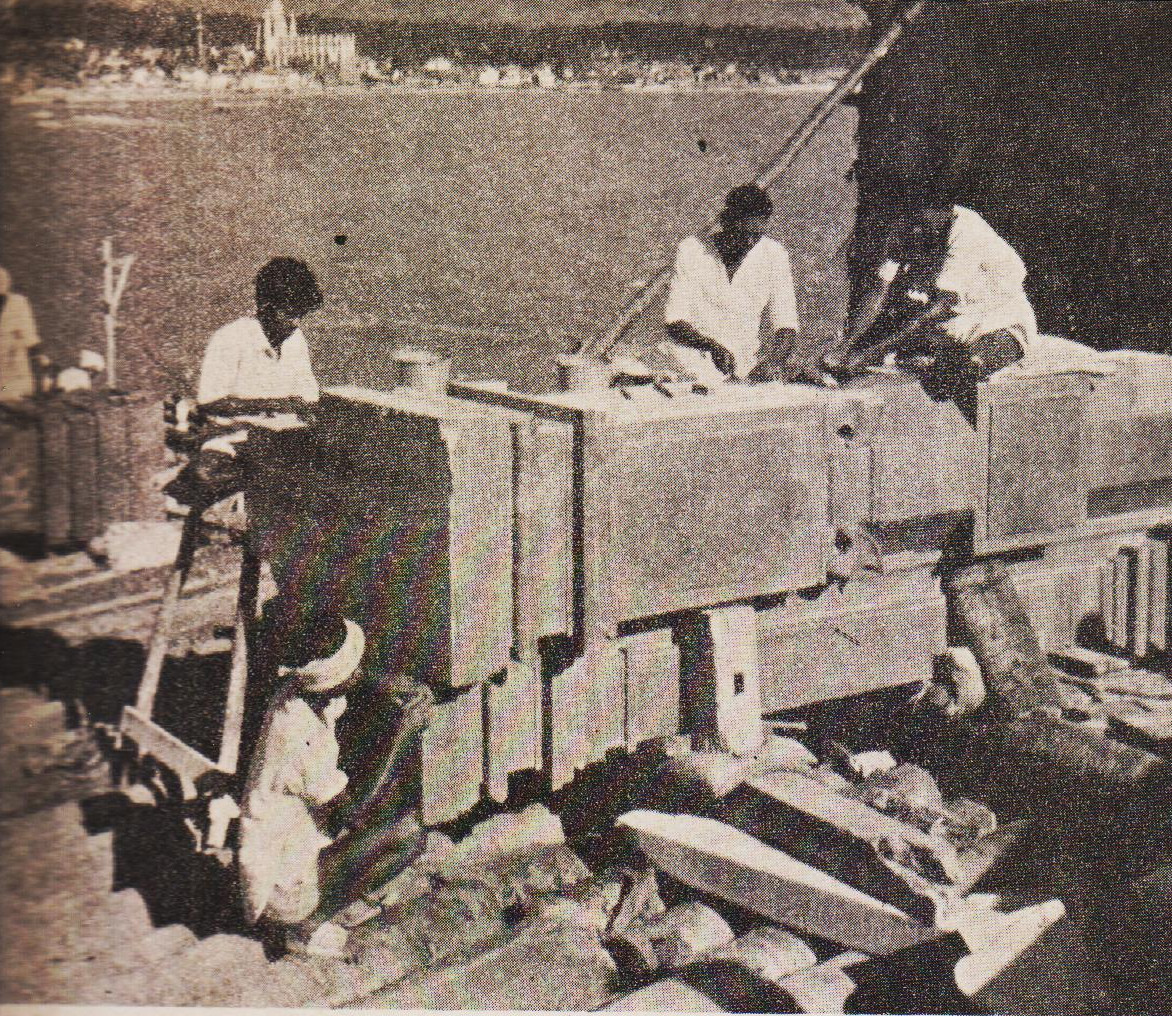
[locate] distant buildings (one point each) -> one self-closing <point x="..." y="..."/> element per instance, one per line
<point x="283" y="46"/>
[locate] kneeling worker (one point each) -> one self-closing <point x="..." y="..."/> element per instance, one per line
<point x="292" y="782"/>
<point x="952" y="290"/>
<point x="731" y="313"/>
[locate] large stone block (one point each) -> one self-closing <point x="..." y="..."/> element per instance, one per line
<point x="396" y="508"/>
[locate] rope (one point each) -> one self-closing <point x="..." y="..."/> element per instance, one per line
<point x="767" y="175"/>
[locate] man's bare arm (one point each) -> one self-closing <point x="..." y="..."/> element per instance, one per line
<point x="231" y="405"/>
<point x="777" y="360"/>
<point x="687" y="335"/>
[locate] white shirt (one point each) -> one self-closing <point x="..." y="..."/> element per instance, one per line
<point x="240" y="362"/>
<point x="295" y="769"/>
<point x="733" y="312"/>
<point x="988" y="278"/>
<point x="18" y="334"/>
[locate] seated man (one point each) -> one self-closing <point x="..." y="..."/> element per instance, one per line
<point x="262" y="363"/>
<point x="253" y="365"/>
<point x="952" y="290"/>
<point x="731" y="313"/>
<point x="311" y="843"/>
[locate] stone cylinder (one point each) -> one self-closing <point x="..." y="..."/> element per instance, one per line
<point x="583" y="373"/>
<point x="421" y="370"/>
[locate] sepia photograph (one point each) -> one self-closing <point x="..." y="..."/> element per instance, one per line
<point x="577" y="505"/>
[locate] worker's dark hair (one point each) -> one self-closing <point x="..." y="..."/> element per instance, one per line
<point x="316" y="637"/>
<point x="931" y="189"/>
<point x="747" y="201"/>
<point x="289" y="285"/>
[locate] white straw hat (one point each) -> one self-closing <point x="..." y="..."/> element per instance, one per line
<point x="328" y="673"/>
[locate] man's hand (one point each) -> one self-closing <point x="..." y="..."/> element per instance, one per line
<point x="725" y="362"/>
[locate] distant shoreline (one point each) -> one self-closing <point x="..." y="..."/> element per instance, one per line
<point x="100" y="95"/>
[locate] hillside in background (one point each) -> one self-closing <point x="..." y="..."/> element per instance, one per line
<point x="802" y="14"/>
<point x="798" y="35"/>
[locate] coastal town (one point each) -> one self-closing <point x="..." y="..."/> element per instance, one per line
<point x="277" y="57"/>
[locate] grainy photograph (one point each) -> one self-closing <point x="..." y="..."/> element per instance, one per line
<point x="563" y="505"/>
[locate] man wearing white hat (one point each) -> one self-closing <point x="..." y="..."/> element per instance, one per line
<point x="293" y="777"/>
<point x="18" y="334"/>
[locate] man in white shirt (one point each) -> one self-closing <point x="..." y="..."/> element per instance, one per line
<point x="952" y="289"/>
<point x="262" y="363"/>
<point x="253" y="365"/>
<point x="731" y="313"/>
<point x="18" y="334"/>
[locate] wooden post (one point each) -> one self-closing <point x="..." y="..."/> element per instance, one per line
<point x="157" y="647"/>
<point x="199" y="45"/>
<point x="114" y="274"/>
<point x="238" y="680"/>
<point x="722" y="679"/>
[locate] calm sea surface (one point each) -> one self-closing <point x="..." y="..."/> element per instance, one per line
<point x="498" y="227"/>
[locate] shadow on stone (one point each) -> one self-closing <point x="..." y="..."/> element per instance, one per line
<point x="154" y="853"/>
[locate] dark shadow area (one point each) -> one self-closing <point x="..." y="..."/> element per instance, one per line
<point x="154" y="853"/>
<point x="193" y="692"/>
<point x="29" y="546"/>
<point x="94" y="679"/>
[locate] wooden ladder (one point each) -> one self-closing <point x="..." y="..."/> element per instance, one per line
<point x="138" y="725"/>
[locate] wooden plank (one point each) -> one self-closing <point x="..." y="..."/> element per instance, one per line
<point x="839" y="646"/>
<point x="1120" y="599"/>
<point x="587" y="711"/>
<point x="837" y="834"/>
<point x="246" y="597"/>
<point x="151" y="739"/>
<point x="851" y="422"/>
<point x="56" y="510"/>
<point x="480" y="547"/>
<point x="1106" y="572"/>
<point x="525" y="578"/>
<point x="1086" y="663"/>
<point x="452" y="758"/>
<point x="651" y="667"/>
<point x="114" y="465"/>
<point x="717" y="858"/>
<point x="165" y="619"/>
<point x="84" y="492"/>
<point x="146" y="450"/>
<point x="20" y="467"/>
<point x="1160" y="593"/>
<point x="1141" y="562"/>
<point x="513" y="727"/>
<point x="553" y="505"/>
<point x="721" y="677"/>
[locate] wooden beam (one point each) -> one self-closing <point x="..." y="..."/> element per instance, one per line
<point x="722" y="679"/>
<point x="151" y="739"/>
<point x="717" y="858"/>
<point x="837" y="834"/>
